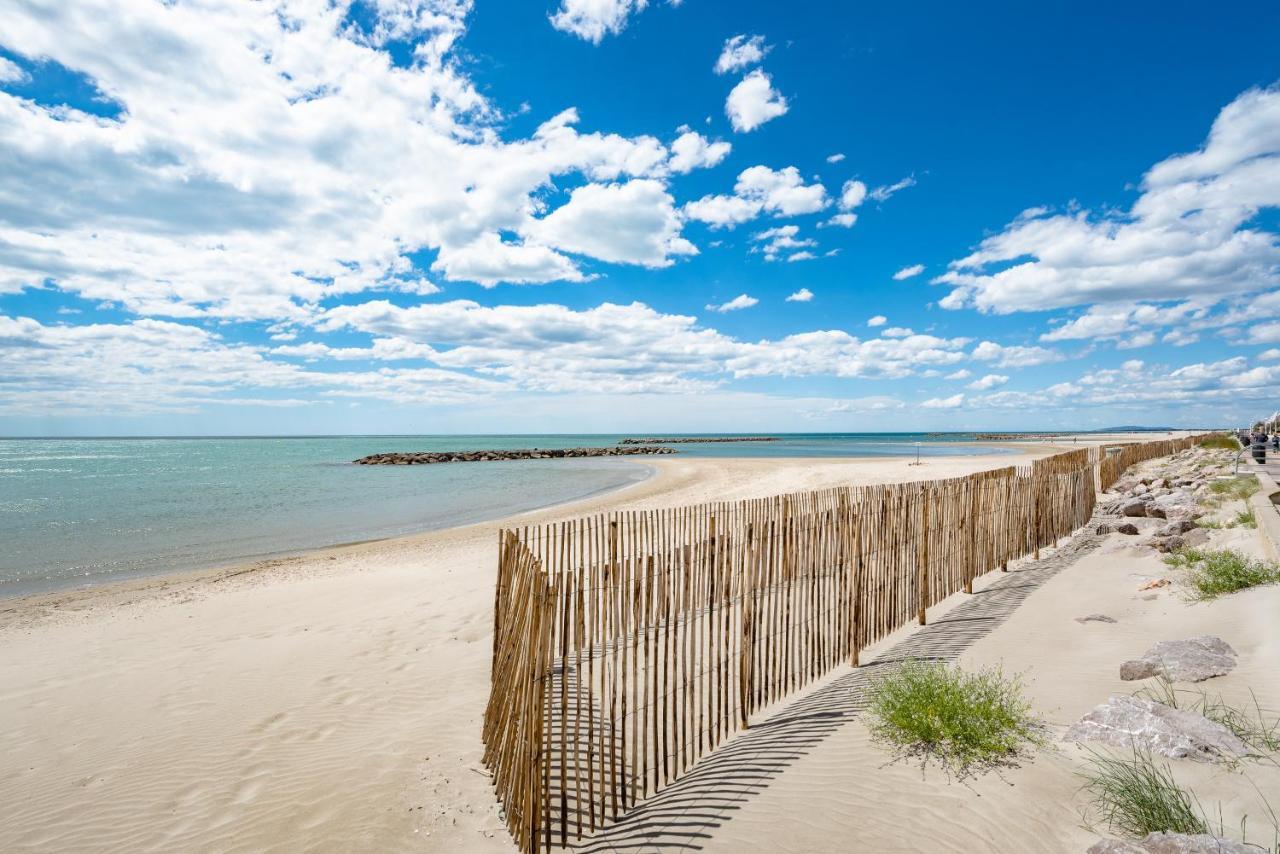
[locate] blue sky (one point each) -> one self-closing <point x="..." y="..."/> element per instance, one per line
<point x="617" y="215"/>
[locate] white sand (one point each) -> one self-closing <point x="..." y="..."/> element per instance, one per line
<point x="332" y="702"/>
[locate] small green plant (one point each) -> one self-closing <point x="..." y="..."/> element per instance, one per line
<point x="1212" y="524"/>
<point x="1137" y="796"/>
<point x="968" y="721"/>
<point x="1210" y="573"/>
<point x="1245" y="518"/>
<point x="1224" y="441"/>
<point x="1239" y="487"/>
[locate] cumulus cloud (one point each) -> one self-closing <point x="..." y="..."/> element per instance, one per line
<point x="908" y="272"/>
<point x="692" y="150"/>
<point x="592" y="20"/>
<point x="1015" y="356"/>
<point x="835" y="158"/>
<point x="10" y="72"/>
<point x="760" y="189"/>
<point x="990" y="381"/>
<point x="631" y="223"/>
<point x="1229" y="389"/>
<point x="264" y="161"/>
<point x="738" y="303"/>
<point x="740" y="52"/>
<point x="961" y="374"/>
<point x="953" y="402"/>
<point x="878" y="320"/>
<point x="154" y="366"/>
<point x="1192" y="231"/>
<point x="802" y="295"/>
<point x="753" y="102"/>
<point x="773" y="242"/>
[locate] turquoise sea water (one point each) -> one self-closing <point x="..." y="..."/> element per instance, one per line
<point x="85" y="511"/>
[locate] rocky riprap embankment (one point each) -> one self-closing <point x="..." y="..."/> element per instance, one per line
<point x="690" y="440"/>
<point x="422" y="458"/>
<point x="1170" y="490"/>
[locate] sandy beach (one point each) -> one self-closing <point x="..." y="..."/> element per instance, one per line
<point x="329" y="701"/>
<point x="332" y="701"/>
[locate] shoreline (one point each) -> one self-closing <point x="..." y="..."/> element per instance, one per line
<point x="653" y="469"/>
<point x="653" y="487"/>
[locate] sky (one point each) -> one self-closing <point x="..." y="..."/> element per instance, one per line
<point x="526" y="216"/>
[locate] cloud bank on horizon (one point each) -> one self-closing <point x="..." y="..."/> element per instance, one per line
<point x="364" y="215"/>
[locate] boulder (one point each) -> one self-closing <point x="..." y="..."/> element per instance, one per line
<point x="1134" y="509"/>
<point x="1191" y="660"/>
<point x="1180" y="526"/>
<point x="1195" y="537"/>
<point x="1172" y="843"/>
<point x="1127" y="528"/>
<point x="1141" y="724"/>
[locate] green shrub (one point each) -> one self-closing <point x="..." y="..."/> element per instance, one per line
<point x="1245" y="518"/>
<point x="968" y="721"/>
<point x="1223" y="441"/>
<point x="1211" y="573"/>
<point x="1136" y="796"/>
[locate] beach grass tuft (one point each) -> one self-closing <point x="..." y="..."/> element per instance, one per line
<point x="1136" y="796"/>
<point x="967" y="721"/>
<point x="1238" y="488"/>
<point x="1211" y="573"/>
<point x="1255" y="726"/>
<point x="1221" y="442"/>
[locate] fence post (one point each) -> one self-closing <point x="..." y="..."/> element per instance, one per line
<point x="923" y="575"/>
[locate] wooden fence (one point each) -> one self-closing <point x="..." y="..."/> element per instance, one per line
<point x="627" y="645"/>
<point x="1116" y="459"/>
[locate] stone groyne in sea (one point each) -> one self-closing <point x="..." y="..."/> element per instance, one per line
<point x="688" y="440"/>
<point x="421" y="458"/>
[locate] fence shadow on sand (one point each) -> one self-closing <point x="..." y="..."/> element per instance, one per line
<point x="682" y="815"/>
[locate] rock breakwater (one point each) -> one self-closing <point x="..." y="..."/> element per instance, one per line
<point x="688" y="440"/>
<point x="422" y="458"/>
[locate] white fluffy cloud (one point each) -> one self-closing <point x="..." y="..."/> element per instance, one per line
<point x="802" y="295"/>
<point x="990" y="381"/>
<point x="692" y="150"/>
<point x="878" y="320"/>
<point x="1189" y="233"/>
<point x="631" y="223"/>
<point x="758" y="190"/>
<point x="150" y="366"/>
<point x="908" y="272"/>
<point x="835" y="158"/>
<point x="10" y="72"/>
<point x="773" y="242"/>
<point x="592" y="20"/>
<point x="1014" y="356"/>
<point x="269" y="156"/>
<point x="753" y="102"/>
<point x="738" y="303"/>
<point x="953" y="402"/>
<point x="741" y="51"/>
<point x="781" y="191"/>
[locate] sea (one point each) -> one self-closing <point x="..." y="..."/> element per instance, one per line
<point x="84" y="511"/>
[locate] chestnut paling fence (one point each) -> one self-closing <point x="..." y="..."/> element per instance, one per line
<point x="627" y="645"/>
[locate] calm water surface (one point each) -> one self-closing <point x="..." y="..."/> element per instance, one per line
<point x="84" y="511"/>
